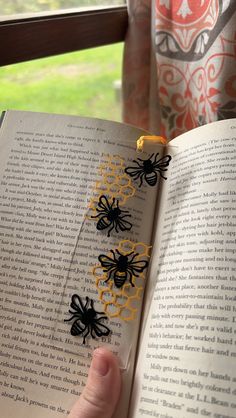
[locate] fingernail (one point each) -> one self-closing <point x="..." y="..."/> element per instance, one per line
<point x="100" y="363"/>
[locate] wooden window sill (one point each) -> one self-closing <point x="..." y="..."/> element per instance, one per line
<point x="52" y="34"/>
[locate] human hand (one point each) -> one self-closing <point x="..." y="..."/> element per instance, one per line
<point x="101" y="393"/>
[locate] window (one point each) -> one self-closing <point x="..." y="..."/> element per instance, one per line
<point x="43" y="34"/>
<point x="12" y="9"/>
<point x="36" y="37"/>
<point x="84" y="83"/>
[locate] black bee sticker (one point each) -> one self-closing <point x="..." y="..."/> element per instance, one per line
<point x="86" y="319"/>
<point x="121" y="268"/>
<point x="111" y="216"/>
<point x="149" y="169"/>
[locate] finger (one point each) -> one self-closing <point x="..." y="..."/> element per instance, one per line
<point x="100" y="396"/>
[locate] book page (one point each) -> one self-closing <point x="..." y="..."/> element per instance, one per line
<point x="186" y="365"/>
<point x="50" y="166"/>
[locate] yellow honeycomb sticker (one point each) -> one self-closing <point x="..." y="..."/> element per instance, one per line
<point x="114" y="183"/>
<point x="121" y="291"/>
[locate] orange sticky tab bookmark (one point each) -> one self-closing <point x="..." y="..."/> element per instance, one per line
<point x="156" y="138"/>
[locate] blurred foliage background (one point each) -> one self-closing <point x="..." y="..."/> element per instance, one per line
<point x="81" y="83"/>
<point x="32" y="6"/>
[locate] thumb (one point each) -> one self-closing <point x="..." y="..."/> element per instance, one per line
<point x="100" y="396"/>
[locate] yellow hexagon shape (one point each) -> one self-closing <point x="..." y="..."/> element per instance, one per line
<point x="107" y="296"/>
<point x="123" y="181"/>
<point x="128" y="191"/>
<point x="112" y="310"/>
<point x="121" y="300"/>
<point x="130" y="291"/>
<point x="128" y="314"/>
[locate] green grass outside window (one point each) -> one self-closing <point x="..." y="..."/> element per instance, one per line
<point x="80" y="83"/>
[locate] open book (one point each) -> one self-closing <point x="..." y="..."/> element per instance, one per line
<point x="101" y="245"/>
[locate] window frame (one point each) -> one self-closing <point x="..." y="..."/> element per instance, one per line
<point x="52" y="34"/>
